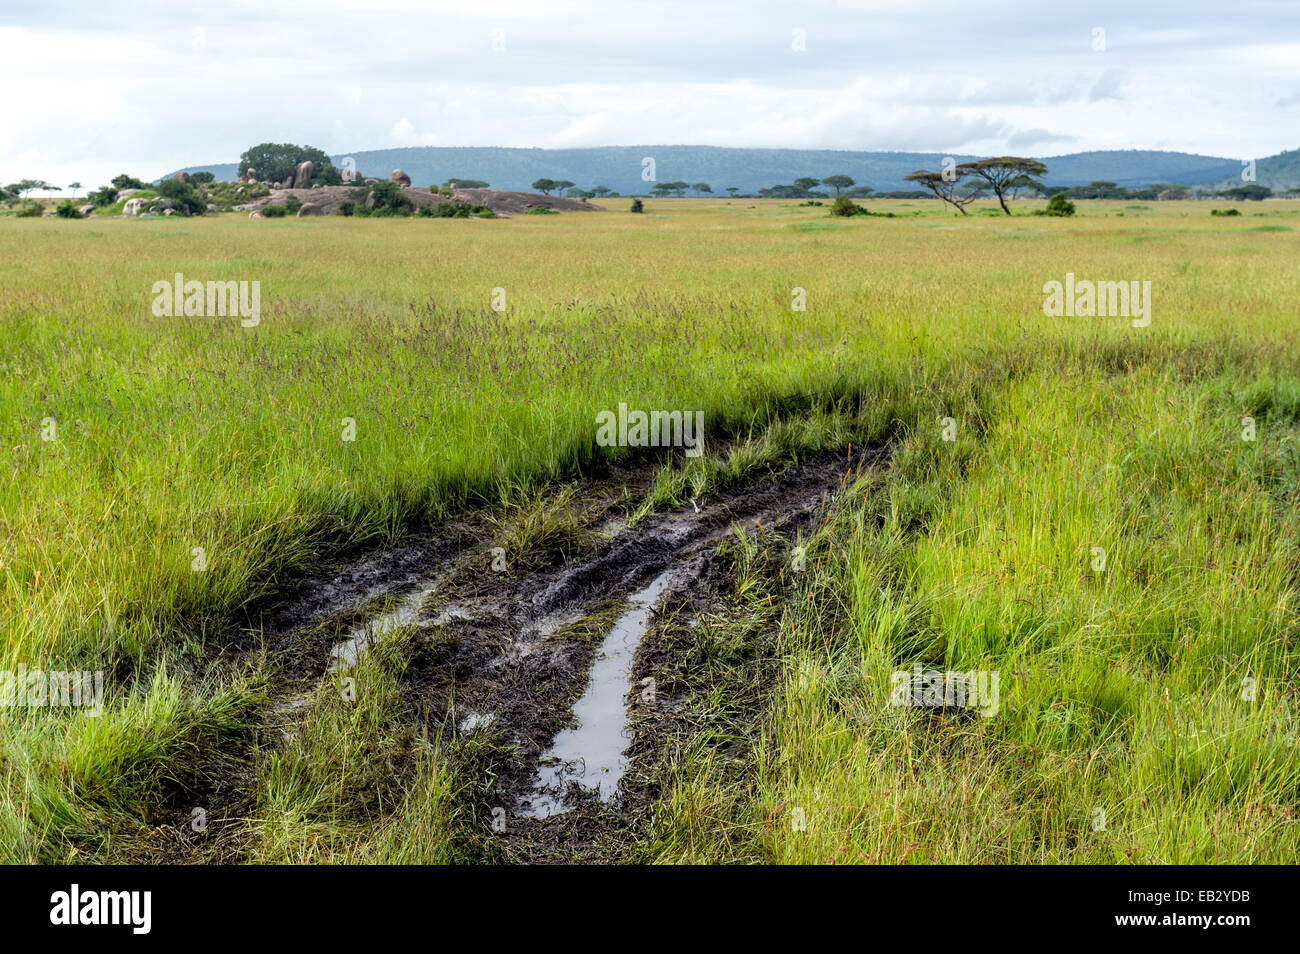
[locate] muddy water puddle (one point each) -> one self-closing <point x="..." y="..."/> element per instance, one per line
<point x="345" y="653"/>
<point x="590" y="753"/>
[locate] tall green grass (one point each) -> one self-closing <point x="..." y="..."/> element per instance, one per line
<point x="183" y="433"/>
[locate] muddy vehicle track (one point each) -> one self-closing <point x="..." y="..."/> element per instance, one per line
<point x="507" y="656"/>
<point x="532" y="659"/>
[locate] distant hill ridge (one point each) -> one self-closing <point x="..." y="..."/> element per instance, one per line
<point x="1277" y="172"/>
<point x="620" y="167"/>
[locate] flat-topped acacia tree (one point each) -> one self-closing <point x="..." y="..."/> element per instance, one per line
<point x="1004" y="174"/>
<point x="945" y="186"/>
<point x="838" y="183"/>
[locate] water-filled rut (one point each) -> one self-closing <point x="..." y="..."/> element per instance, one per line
<point x="545" y="658"/>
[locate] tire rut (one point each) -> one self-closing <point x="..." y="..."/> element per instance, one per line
<point x="505" y="657"/>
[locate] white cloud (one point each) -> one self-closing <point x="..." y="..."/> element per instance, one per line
<point x="102" y="92"/>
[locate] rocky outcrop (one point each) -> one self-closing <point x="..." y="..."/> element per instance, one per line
<point x="85" y="210"/>
<point x="182" y="177"/>
<point x="302" y="177"/>
<point x="250" y="175"/>
<point x="309" y="209"/>
<point x="401" y="178"/>
<point x="155" y="206"/>
<point x="329" y="199"/>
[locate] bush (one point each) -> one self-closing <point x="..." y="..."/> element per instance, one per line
<point x="292" y="204"/>
<point x="540" y="210"/>
<point x="1059" y="205"/>
<point x="185" y="197"/>
<point x="846" y="207"/>
<point x="226" y="195"/>
<point x="67" y="209"/>
<point x="347" y="208"/>
<point x="126" y="182"/>
<point x="1224" y="212"/>
<point x="274" y="211"/>
<point x="29" y="210"/>
<point x="102" y="197"/>
<point x="637" y="206"/>
<point x="390" y="200"/>
<point x="456" y="210"/>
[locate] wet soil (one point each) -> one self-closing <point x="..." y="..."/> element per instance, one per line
<point x="561" y="663"/>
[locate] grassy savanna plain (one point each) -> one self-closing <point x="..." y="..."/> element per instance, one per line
<point x="1148" y="710"/>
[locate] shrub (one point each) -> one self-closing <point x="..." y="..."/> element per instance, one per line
<point x="540" y="210"/>
<point x="347" y="208"/>
<point x="67" y="209"/>
<point x="390" y="200"/>
<point x="846" y="207"/>
<point x="292" y="204"/>
<point x="185" y="197"/>
<point x="637" y="206"/>
<point x="126" y="182"/>
<point x="29" y="210"/>
<point x="1224" y="212"/>
<point x="1059" y="205"/>
<point x="102" y="197"/>
<point x="226" y="195"/>
<point x="274" y="211"/>
<point x="456" y="210"/>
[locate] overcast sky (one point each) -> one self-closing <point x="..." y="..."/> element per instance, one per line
<point x="97" y="87"/>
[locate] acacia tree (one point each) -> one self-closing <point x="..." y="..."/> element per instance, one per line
<point x="946" y="186"/>
<point x="1028" y="183"/>
<point x="1003" y="174"/>
<point x="545" y="186"/>
<point x="701" y="187"/>
<point x="24" y="187"/>
<point x="838" y="183"/>
<point x="677" y="187"/>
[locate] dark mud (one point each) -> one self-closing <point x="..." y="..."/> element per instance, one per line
<point x="555" y="661"/>
<point x="553" y="664"/>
